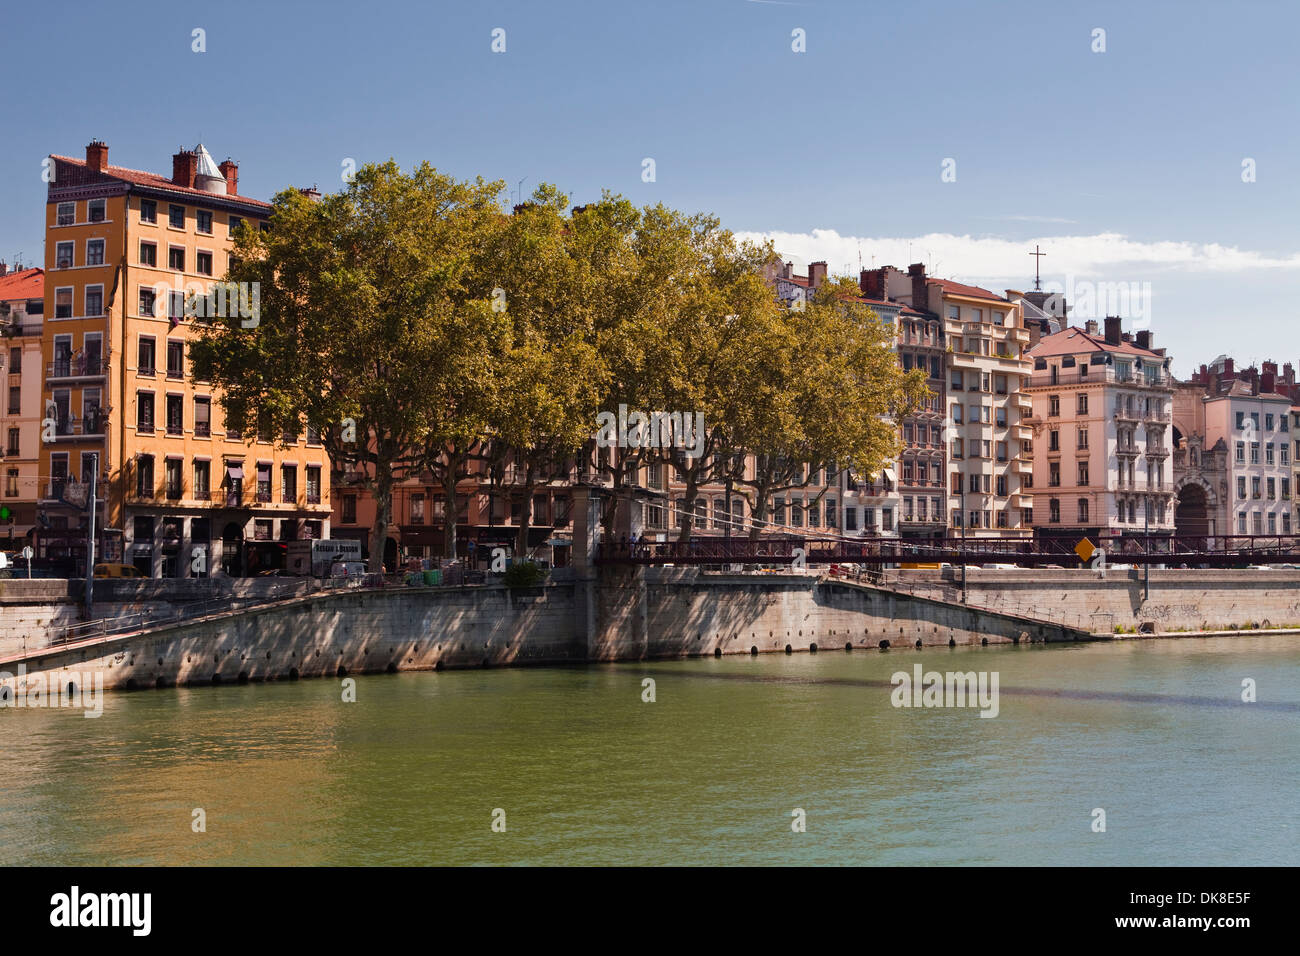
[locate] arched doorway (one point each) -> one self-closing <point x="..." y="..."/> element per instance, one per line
<point x="1191" y="516"/>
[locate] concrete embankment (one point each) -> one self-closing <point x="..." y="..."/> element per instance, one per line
<point x="1180" y="600"/>
<point x="651" y="614"/>
<point x="630" y="614"/>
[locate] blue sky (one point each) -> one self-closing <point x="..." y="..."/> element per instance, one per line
<point x="1125" y="166"/>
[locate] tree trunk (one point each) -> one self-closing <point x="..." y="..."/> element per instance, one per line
<point x="449" y="483"/>
<point x="383" y="493"/>
<point x="526" y="512"/>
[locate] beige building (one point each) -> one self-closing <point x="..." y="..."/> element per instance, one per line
<point x="1102" y="417"/>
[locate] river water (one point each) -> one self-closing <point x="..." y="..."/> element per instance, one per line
<point x="586" y="772"/>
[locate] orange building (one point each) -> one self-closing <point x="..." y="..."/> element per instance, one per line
<point x="181" y="495"/>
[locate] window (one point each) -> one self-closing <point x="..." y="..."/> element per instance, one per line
<point x="94" y="300"/>
<point x="958" y="450"/>
<point x="1083" y="438"/>
<point x="1054" y="510"/>
<point x="1001" y="417"/>
<point x="289" y="488"/>
<point x="956" y="415"/>
<point x="1083" y="473"/>
<point x="1241" y="522"/>
<point x="16" y="361"/>
<point x="146" y="301"/>
<point x="1254" y="487"/>
<point x="175" y="359"/>
<point x="313" y="484"/>
<point x="67" y="214"/>
<point x="263" y="481"/>
<point x="63" y="303"/>
<point x="1285" y="451"/>
<point x="1286" y="488"/>
<point x="145" y="355"/>
<point x="1002" y="485"/>
<point x="1054" y="474"/>
<point x="15" y="399"/>
<point x="1083" y="403"/>
<point x="172" y="478"/>
<point x="973" y="483"/>
<point x="999" y="318"/>
<point x="1002" y="451"/>
<point x="1083" y="509"/>
<point x="1241" y="486"/>
<point x="203" y="263"/>
<point x="235" y="223"/>
<point x="1241" y="420"/>
<point x="1272" y="489"/>
<point x="63" y="255"/>
<point x="202" y="479"/>
<point x="1268" y="421"/>
<point x="148" y="210"/>
<point x="1241" y="452"/>
<point x="850" y="519"/>
<point x="14" y="442"/>
<point x="202" y="417"/>
<point x="95" y="210"/>
<point x="175" y="414"/>
<point x="148" y="253"/>
<point x="144" y="475"/>
<point x="176" y="216"/>
<point x="203" y="221"/>
<point x="144" y="412"/>
<point x="94" y="252"/>
<point x="11" y="483"/>
<point x="956" y="381"/>
<point x="1254" y="453"/>
<point x="1268" y="454"/>
<point x="1053" y="406"/>
<point x="886" y="519"/>
<point x="176" y="258"/>
<point x="1053" y="440"/>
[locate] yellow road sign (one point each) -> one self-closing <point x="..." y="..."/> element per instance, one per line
<point x="1085" y="549"/>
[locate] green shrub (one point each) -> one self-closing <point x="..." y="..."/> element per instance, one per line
<point x="524" y="574"/>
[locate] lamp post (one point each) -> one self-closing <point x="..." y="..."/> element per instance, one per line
<point x="1146" y="568"/>
<point x="90" y="536"/>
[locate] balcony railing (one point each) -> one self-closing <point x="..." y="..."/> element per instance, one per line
<point x="202" y="429"/>
<point x="313" y="498"/>
<point x="93" y="424"/>
<point x="79" y="367"/>
<point x="264" y="495"/>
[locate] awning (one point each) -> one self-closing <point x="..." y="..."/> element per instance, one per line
<point x="890" y="476"/>
<point x="235" y="471"/>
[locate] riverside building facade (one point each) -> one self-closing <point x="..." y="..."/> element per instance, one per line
<point x="181" y="494"/>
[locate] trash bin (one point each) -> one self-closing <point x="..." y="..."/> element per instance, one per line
<point x="432" y="577"/>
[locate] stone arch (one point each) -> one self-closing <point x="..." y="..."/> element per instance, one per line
<point x="1195" y="499"/>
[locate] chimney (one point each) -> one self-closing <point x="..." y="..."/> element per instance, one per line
<point x="230" y="169"/>
<point x="1228" y="366"/>
<point x="314" y="195"/>
<point x="1268" y="381"/>
<point x="872" y="284"/>
<point x="1090" y="326"/>
<point x="4" y="268"/>
<point x="1144" y="339"/>
<point x="920" y="296"/>
<point x="1271" y="367"/>
<point x="184" y="166"/>
<point x="1112" y="330"/>
<point x="816" y="274"/>
<point x="96" y="156"/>
<point x="1288" y="373"/>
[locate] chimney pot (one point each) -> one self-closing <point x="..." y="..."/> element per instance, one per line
<point x="816" y="274"/>
<point x="1113" y="330"/>
<point x="1090" y="326"/>
<point x="1144" y="339"/>
<point x="97" y="155"/>
<point x="230" y="169"/>
<point x="185" y="164"/>
<point x="920" y="293"/>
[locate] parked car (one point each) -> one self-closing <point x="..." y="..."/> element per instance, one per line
<point x="348" y="569"/>
<point x="118" y="571"/>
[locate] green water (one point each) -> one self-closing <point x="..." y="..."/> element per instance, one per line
<point x="587" y="773"/>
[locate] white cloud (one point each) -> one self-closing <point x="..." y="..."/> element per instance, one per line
<point x="992" y="260"/>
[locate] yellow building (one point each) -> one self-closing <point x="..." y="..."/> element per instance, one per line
<point x="181" y="496"/>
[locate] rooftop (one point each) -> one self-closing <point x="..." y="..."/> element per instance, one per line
<point x="27" y="284"/>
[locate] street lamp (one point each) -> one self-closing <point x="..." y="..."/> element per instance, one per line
<point x="962" y="516"/>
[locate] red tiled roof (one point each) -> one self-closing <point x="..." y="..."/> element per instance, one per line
<point x="1072" y="340"/>
<point x="973" y="291"/>
<point x="154" y="181"/>
<point x="27" y="284"/>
